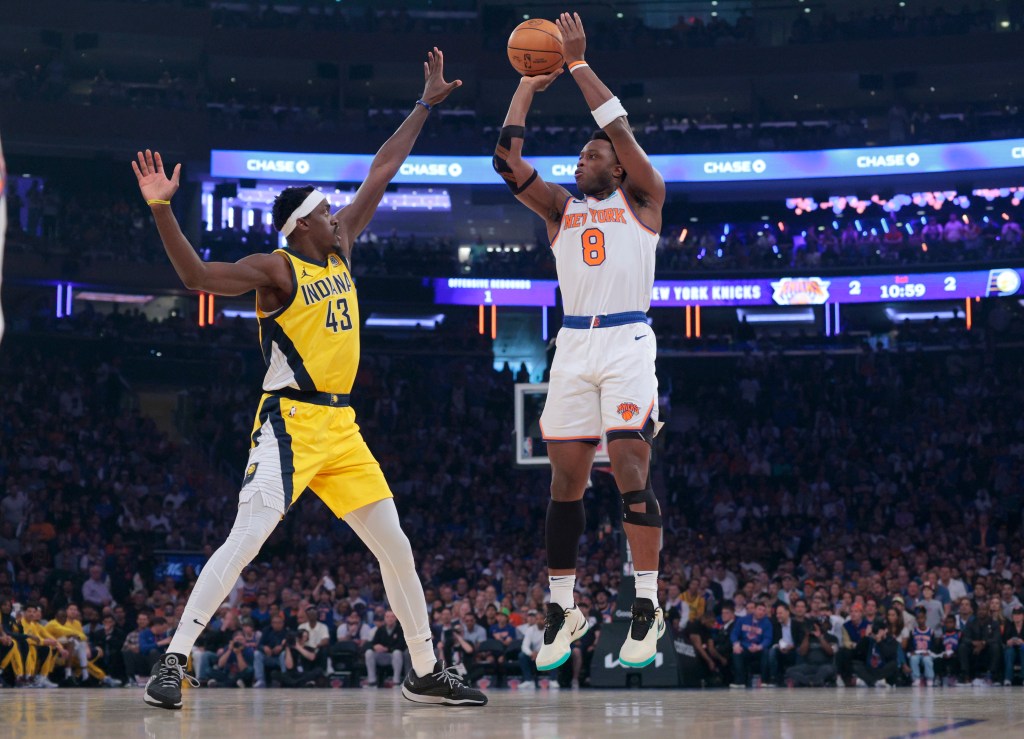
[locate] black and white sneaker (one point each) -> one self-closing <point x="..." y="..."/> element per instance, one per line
<point x="164" y="687"/>
<point x="647" y="628"/>
<point x="561" y="628"/>
<point x="441" y="686"/>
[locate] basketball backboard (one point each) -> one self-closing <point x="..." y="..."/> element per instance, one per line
<point x="531" y="450"/>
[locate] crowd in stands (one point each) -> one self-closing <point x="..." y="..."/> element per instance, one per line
<point x="455" y="16"/>
<point x="76" y="227"/>
<point x="802" y="244"/>
<point x="363" y="122"/>
<point x="828" y="517"/>
<point x="459" y="129"/>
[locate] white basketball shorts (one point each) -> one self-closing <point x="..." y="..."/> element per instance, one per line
<point x="602" y="380"/>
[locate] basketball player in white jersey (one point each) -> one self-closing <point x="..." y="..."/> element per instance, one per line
<point x="602" y="377"/>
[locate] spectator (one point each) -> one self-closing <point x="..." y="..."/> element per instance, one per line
<point x="876" y="662"/>
<point x="355" y="630"/>
<point x="980" y="649"/>
<point x="674" y="600"/>
<point x="751" y="641"/>
<point x="14" y="507"/>
<point x="107" y="641"/>
<point x="582" y="653"/>
<point x="923" y="641"/>
<point x="699" y="634"/>
<point x="234" y="665"/>
<point x="816" y="652"/>
<point x="1009" y="600"/>
<point x="964" y="613"/>
<point x="96" y="590"/>
<point x="301" y="662"/>
<point x="934" y="610"/>
<point x="1013" y="644"/>
<point x="694" y="599"/>
<point x="947" y="663"/>
<point x="532" y="634"/>
<point x="855" y="628"/>
<point x="952" y="584"/>
<point x="604" y="606"/>
<point x="319" y="636"/>
<point x="786" y="637"/>
<point x="268" y="656"/>
<point x="386" y="648"/>
<point x="456" y="648"/>
<point x="503" y="631"/>
<point x="473" y="632"/>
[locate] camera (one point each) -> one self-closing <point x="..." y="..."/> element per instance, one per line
<point x="290" y="638"/>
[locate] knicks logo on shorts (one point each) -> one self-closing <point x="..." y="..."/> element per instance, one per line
<point x="250" y="473"/>
<point x="628" y="410"/>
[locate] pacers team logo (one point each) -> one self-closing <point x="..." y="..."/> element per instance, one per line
<point x="1003" y="282"/>
<point x="800" y="291"/>
<point x="250" y="473"/>
<point x="627" y="411"/>
<point x="333" y="260"/>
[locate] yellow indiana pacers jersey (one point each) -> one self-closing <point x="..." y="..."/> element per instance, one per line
<point x="312" y="341"/>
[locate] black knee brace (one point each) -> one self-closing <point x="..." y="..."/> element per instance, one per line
<point x="647" y="433"/>
<point x="565" y="524"/>
<point x="651" y="516"/>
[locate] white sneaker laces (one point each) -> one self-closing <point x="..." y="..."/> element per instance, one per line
<point x="172" y="673"/>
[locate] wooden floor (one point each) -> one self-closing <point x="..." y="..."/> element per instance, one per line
<point x="589" y="714"/>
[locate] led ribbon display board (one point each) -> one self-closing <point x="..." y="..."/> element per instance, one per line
<point x="741" y="167"/>
<point x="1000" y="282"/>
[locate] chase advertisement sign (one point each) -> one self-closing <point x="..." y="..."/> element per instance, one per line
<point x="726" y="167"/>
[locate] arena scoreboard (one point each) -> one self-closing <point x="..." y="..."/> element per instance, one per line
<point x="806" y="290"/>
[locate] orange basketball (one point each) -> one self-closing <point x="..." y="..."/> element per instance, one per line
<point x="535" y="47"/>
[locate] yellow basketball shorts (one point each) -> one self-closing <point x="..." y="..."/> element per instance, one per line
<point x="298" y="446"/>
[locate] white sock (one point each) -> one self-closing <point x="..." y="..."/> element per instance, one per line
<point x="561" y="590"/>
<point x="647" y="585"/>
<point x="253" y="524"/>
<point x="378" y="526"/>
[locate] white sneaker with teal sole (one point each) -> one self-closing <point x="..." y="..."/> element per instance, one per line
<point x="647" y="628"/>
<point x="561" y="629"/>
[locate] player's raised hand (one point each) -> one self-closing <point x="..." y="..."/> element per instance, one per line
<point x="153" y="181"/>
<point x="541" y="82"/>
<point x="574" y="41"/>
<point x="435" y="88"/>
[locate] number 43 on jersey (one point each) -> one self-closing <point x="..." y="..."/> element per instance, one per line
<point x="338" y="318"/>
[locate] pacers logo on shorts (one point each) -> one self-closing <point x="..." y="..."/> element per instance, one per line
<point x="250" y="473"/>
<point x="627" y="411"/>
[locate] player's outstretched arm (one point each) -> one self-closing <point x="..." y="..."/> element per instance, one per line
<point x="644" y="179"/>
<point x="353" y="218"/>
<point x="220" y="278"/>
<point x="543" y="198"/>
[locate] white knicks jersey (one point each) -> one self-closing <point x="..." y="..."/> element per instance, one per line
<point x="604" y="256"/>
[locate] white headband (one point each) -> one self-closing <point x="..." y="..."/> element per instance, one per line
<point x="310" y="204"/>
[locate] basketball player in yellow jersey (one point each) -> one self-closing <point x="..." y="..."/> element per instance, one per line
<point x="602" y="377"/>
<point x="305" y="435"/>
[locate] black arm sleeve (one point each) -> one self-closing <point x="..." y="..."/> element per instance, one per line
<point x="500" y="163"/>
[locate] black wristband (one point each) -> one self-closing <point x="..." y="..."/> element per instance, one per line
<point x="512" y="132"/>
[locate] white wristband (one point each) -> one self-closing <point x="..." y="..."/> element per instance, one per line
<point x="608" y="111"/>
